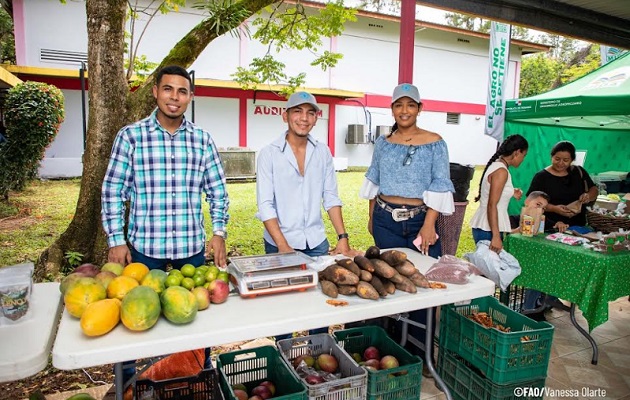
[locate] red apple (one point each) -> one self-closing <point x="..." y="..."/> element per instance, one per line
<point x="327" y="363"/>
<point x="270" y="385"/>
<point x="262" y="391"/>
<point x="314" y="379"/>
<point x="388" y="362"/>
<point x="372" y="363"/>
<point x="240" y="394"/>
<point x="219" y="291"/>
<point x="371" y="353"/>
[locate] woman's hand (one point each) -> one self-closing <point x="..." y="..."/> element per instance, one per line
<point x="496" y="244"/>
<point x="564" y="211"/>
<point x="518" y="194"/>
<point x="585" y="198"/>
<point x="561" y="226"/>
<point x="429" y="237"/>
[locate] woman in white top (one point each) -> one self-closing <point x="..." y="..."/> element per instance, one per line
<point x="491" y="219"/>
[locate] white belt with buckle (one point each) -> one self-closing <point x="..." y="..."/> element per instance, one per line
<point x="400" y="214"/>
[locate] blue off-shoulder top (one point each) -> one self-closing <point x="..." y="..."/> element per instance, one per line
<point x="426" y="168"/>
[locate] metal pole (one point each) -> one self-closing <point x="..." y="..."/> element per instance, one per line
<point x="83" y="110"/>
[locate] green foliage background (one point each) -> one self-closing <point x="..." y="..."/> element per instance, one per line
<point x="33" y="113"/>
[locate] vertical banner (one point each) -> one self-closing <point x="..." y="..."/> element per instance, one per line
<point x="499" y="55"/>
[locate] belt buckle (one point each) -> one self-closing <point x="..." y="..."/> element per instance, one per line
<point x="400" y="214"/>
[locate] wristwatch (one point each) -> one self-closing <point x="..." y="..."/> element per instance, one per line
<point x="221" y="234"/>
<point x="342" y="236"/>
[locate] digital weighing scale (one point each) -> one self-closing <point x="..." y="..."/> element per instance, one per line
<point x="271" y="273"/>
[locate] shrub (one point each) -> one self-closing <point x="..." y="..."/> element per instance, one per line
<point x="33" y="113"/>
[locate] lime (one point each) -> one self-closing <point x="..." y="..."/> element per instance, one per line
<point x="188" y="270"/>
<point x="188" y="283"/>
<point x="223" y="275"/>
<point x="199" y="280"/>
<point x="176" y="272"/>
<point x="172" y="280"/>
<point x="202" y="269"/>
<point x="214" y="268"/>
<point x="212" y="275"/>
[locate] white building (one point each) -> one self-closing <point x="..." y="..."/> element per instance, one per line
<point x="450" y="69"/>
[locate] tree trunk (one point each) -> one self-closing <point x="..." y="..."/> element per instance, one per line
<point x="108" y="96"/>
<point x="112" y="106"/>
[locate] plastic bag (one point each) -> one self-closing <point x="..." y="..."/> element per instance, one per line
<point x="450" y="269"/>
<point x="500" y="268"/>
<point x="16" y="284"/>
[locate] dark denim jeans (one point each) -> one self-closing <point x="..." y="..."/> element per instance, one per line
<point x="161" y="263"/>
<point x="389" y="233"/>
<point x="320" y="250"/>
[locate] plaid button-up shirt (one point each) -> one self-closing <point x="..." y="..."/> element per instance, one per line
<point x="163" y="176"/>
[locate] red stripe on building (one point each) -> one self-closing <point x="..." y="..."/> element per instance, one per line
<point x="378" y="101"/>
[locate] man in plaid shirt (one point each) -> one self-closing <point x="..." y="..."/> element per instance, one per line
<point x="162" y="165"/>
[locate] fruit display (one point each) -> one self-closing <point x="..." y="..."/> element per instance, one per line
<point x="316" y="370"/>
<point x="373" y="276"/>
<point x="372" y="360"/>
<point x="263" y="391"/>
<point x="138" y="296"/>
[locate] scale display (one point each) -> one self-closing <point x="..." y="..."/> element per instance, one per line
<point x="272" y="273"/>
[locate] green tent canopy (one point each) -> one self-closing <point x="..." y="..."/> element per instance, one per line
<point x="592" y="112"/>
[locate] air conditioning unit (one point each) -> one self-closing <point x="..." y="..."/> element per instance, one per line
<point x="357" y="134"/>
<point x="382" y="130"/>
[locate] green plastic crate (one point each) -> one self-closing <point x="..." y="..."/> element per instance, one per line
<point x="353" y="382"/>
<point x="503" y="357"/>
<point x="406" y="382"/>
<point x="252" y="366"/>
<point x="465" y="383"/>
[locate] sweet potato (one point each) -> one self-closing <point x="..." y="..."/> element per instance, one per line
<point x="329" y="289"/>
<point x="378" y="285"/>
<point x="406" y="285"/>
<point x="372" y="252"/>
<point x="347" y="289"/>
<point x="367" y="291"/>
<point x="381" y="268"/>
<point x="406" y="268"/>
<point x="364" y="263"/>
<point x="339" y="275"/>
<point x="348" y="264"/>
<point x="419" y="280"/>
<point x="389" y="286"/>
<point x="365" y="276"/>
<point x="393" y="257"/>
<point x="396" y="278"/>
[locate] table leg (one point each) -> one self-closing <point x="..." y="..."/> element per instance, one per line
<point x="118" y="380"/>
<point x="428" y="351"/>
<point x="585" y="334"/>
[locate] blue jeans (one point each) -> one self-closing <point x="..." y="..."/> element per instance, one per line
<point x="161" y="263"/>
<point x="320" y="250"/>
<point x="389" y="233"/>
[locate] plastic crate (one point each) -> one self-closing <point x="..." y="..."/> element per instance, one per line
<point x="465" y="383"/>
<point x="253" y="366"/>
<point x="203" y="386"/>
<point x="513" y="297"/>
<point x="406" y="380"/>
<point x="503" y="357"/>
<point x="353" y="382"/>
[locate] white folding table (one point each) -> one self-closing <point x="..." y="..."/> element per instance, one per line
<point x="241" y="319"/>
<point x="25" y="346"/>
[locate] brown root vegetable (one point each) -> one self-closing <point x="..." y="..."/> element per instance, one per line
<point x="389" y="286"/>
<point x="365" y="276"/>
<point x="367" y="291"/>
<point x="406" y="285"/>
<point x="406" y="268"/>
<point x="339" y="275"/>
<point x="379" y="286"/>
<point x="348" y="264"/>
<point x="372" y="252"/>
<point x="419" y="280"/>
<point x="381" y="268"/>
<point x="397" y="278"/>
<point x="364" y="263"/>
<point x="347" y="289"/>
<point x="393" y="257"/>
<point x="329" y="289"/>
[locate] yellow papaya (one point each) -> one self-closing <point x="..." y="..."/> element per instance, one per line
<point x="100" y="317"/>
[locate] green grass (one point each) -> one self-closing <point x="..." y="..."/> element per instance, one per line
<point x="36" y="217"/>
